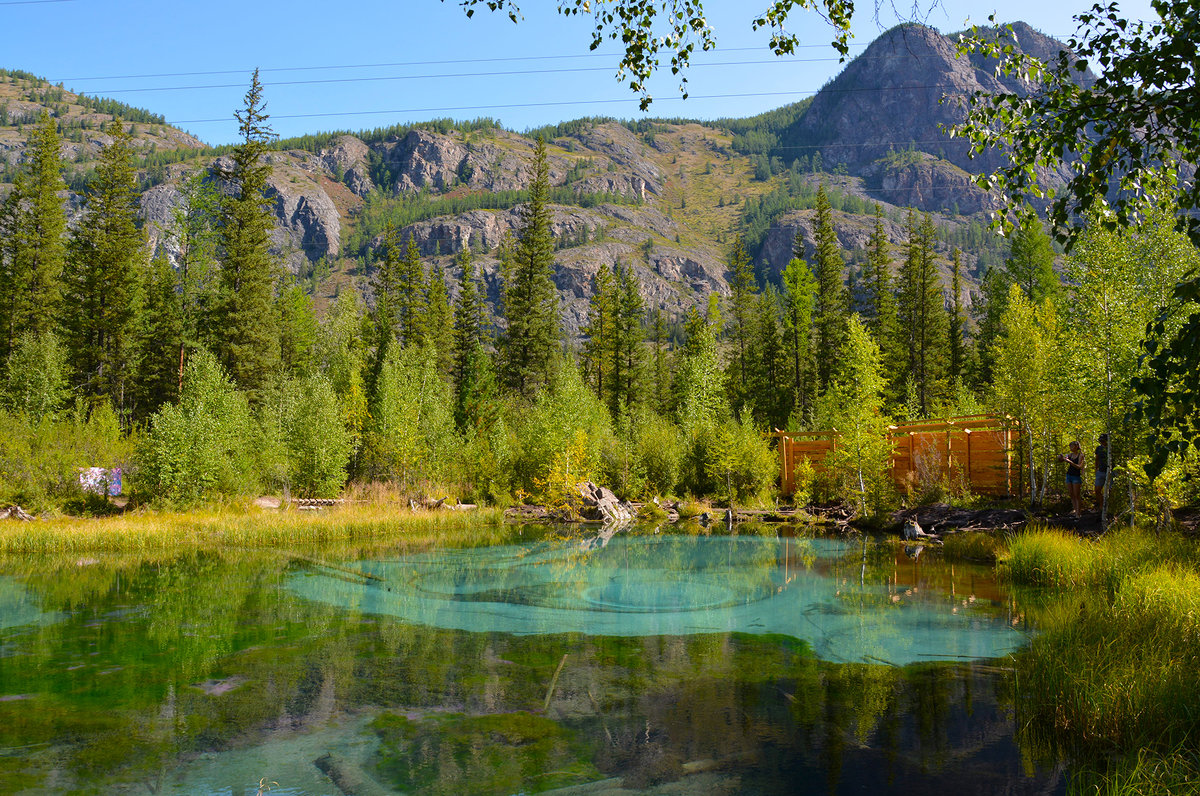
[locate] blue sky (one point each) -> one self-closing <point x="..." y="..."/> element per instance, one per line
<point x="359" y="64"/>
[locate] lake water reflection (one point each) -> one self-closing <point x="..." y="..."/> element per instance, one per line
<point x="560" y="661"/>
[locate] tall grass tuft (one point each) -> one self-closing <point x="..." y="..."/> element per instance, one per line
<point x="1043" y="556"/>
<point x="1146" y="773"/>
<point x="1116" y="667"/>
<point x="1049" y="557"/>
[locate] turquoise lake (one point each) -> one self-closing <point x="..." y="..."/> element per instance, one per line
<point x="565" y="661"/>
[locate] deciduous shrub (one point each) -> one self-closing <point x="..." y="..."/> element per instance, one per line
<point x="204" y="445"/>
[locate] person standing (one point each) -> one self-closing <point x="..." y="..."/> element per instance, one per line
<point x="1101" y="459"/>
<point x="1074" y="461"/>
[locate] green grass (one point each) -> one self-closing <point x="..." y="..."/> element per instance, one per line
<point x="1112" y="680"/>
<point x="243" y="527"/>
<point x="1044" y="556"/>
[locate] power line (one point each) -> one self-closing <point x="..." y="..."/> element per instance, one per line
<point x="385" y="65"/>
<point x="443" y="76"/>
<point x="501" y="106"/>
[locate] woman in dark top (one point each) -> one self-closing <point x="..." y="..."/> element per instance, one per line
<point x="1074" y="461"/>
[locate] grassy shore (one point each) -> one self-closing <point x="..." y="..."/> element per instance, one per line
<point x="1112" y="680"/>
<point x="245" y="526"/>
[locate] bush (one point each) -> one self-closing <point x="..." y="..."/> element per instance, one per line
<point x="559" y="439"/>
<point x="40" y="459"/>
<point x="204" y="445"/>
<point x="659" y="447"/>
<point x="306" y="419"/>
<point x="411" y="436"/>
<point x="36" y="383"/>
<point x="739" y="461"/>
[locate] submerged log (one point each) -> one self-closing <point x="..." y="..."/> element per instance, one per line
<point x="348" y="776"/>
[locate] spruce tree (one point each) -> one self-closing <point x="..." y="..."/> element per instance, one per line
<point x="194" y="230"/>
<point x="248" y="338"/>
<point x="33" y="243"/>
<point x="799" y="297"/>
<point x="881" y="319"/>
<point x="769" y="373"/>
<point x="1030" y="263"/>
<point x="103" y="276"/>
<point x="439" y="322"/>
<point x="160" y="330"/>
<point x="412" y="306"/>
<point x="662" y="377"/>
<point x="989" y="311"/>
<point x="474" y="381"/>
<point x="957" y="322"/>
<point x="297" y="330"/>
<point x="531" y="341"/>
<point x="830" y="315"/>
<point x="922" y="314"/>
<point x="628" y="336"/>
<point x="598" y="333"/>
<point x="744" y="298"/>
<point x="386" y="287"/>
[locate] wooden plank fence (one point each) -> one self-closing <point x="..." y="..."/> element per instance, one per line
<point x="976" y="451"/>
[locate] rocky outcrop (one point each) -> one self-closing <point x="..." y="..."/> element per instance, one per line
<point x="348" y="161"/>
<point x="904" y="90"/>
<point x="924" y="181"/>
<point x="599" y="503"/>
<point x="309" y="226"/>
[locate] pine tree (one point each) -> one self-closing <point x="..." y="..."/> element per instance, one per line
<point x="830" y="315"/>
<point x="1030" y="263"/>
<point x="662" y="378"/>
<point x="103" y="279"/>
<point x="957" y="322"/>
<point x="628" y="336"/>
<point x="248" y="339"/>
<point x="474" y="381"/>
<point x="744" y="297"/>
<point x="297" y="330"/>
<point x="923" y="315"/>
<point x="439" y="322"/>
<point x="412" y="306"/>
<point x="160" y="330"/>
<point x="798" y="300"/>
<point x="881" y="319"/>
<point x="598" y="333"/>
<point x="531" y="341"/>
<point x="33" y="243"/>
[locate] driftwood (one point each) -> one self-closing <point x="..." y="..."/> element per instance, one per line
<point x="15" y="512"/>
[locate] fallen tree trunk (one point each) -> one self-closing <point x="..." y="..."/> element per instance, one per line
<point x="15" y="512"/>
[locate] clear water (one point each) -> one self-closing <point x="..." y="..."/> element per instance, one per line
<point x="670" y="586"/>
<point x="559" y="663"/>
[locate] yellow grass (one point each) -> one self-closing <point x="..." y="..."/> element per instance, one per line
<point x="248" y="526"/>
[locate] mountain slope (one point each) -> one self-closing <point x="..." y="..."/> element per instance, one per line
<point x="667" y="198"/>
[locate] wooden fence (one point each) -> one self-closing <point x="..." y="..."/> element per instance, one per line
<point x="976" y="451"/>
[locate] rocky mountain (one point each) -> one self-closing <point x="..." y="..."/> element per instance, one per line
<point x="666" y="198"/>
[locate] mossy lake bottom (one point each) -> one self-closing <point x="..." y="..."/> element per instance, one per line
<point x="569" y="661"/>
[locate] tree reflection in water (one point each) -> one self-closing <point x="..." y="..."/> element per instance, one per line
<point x="205" y="672"/>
